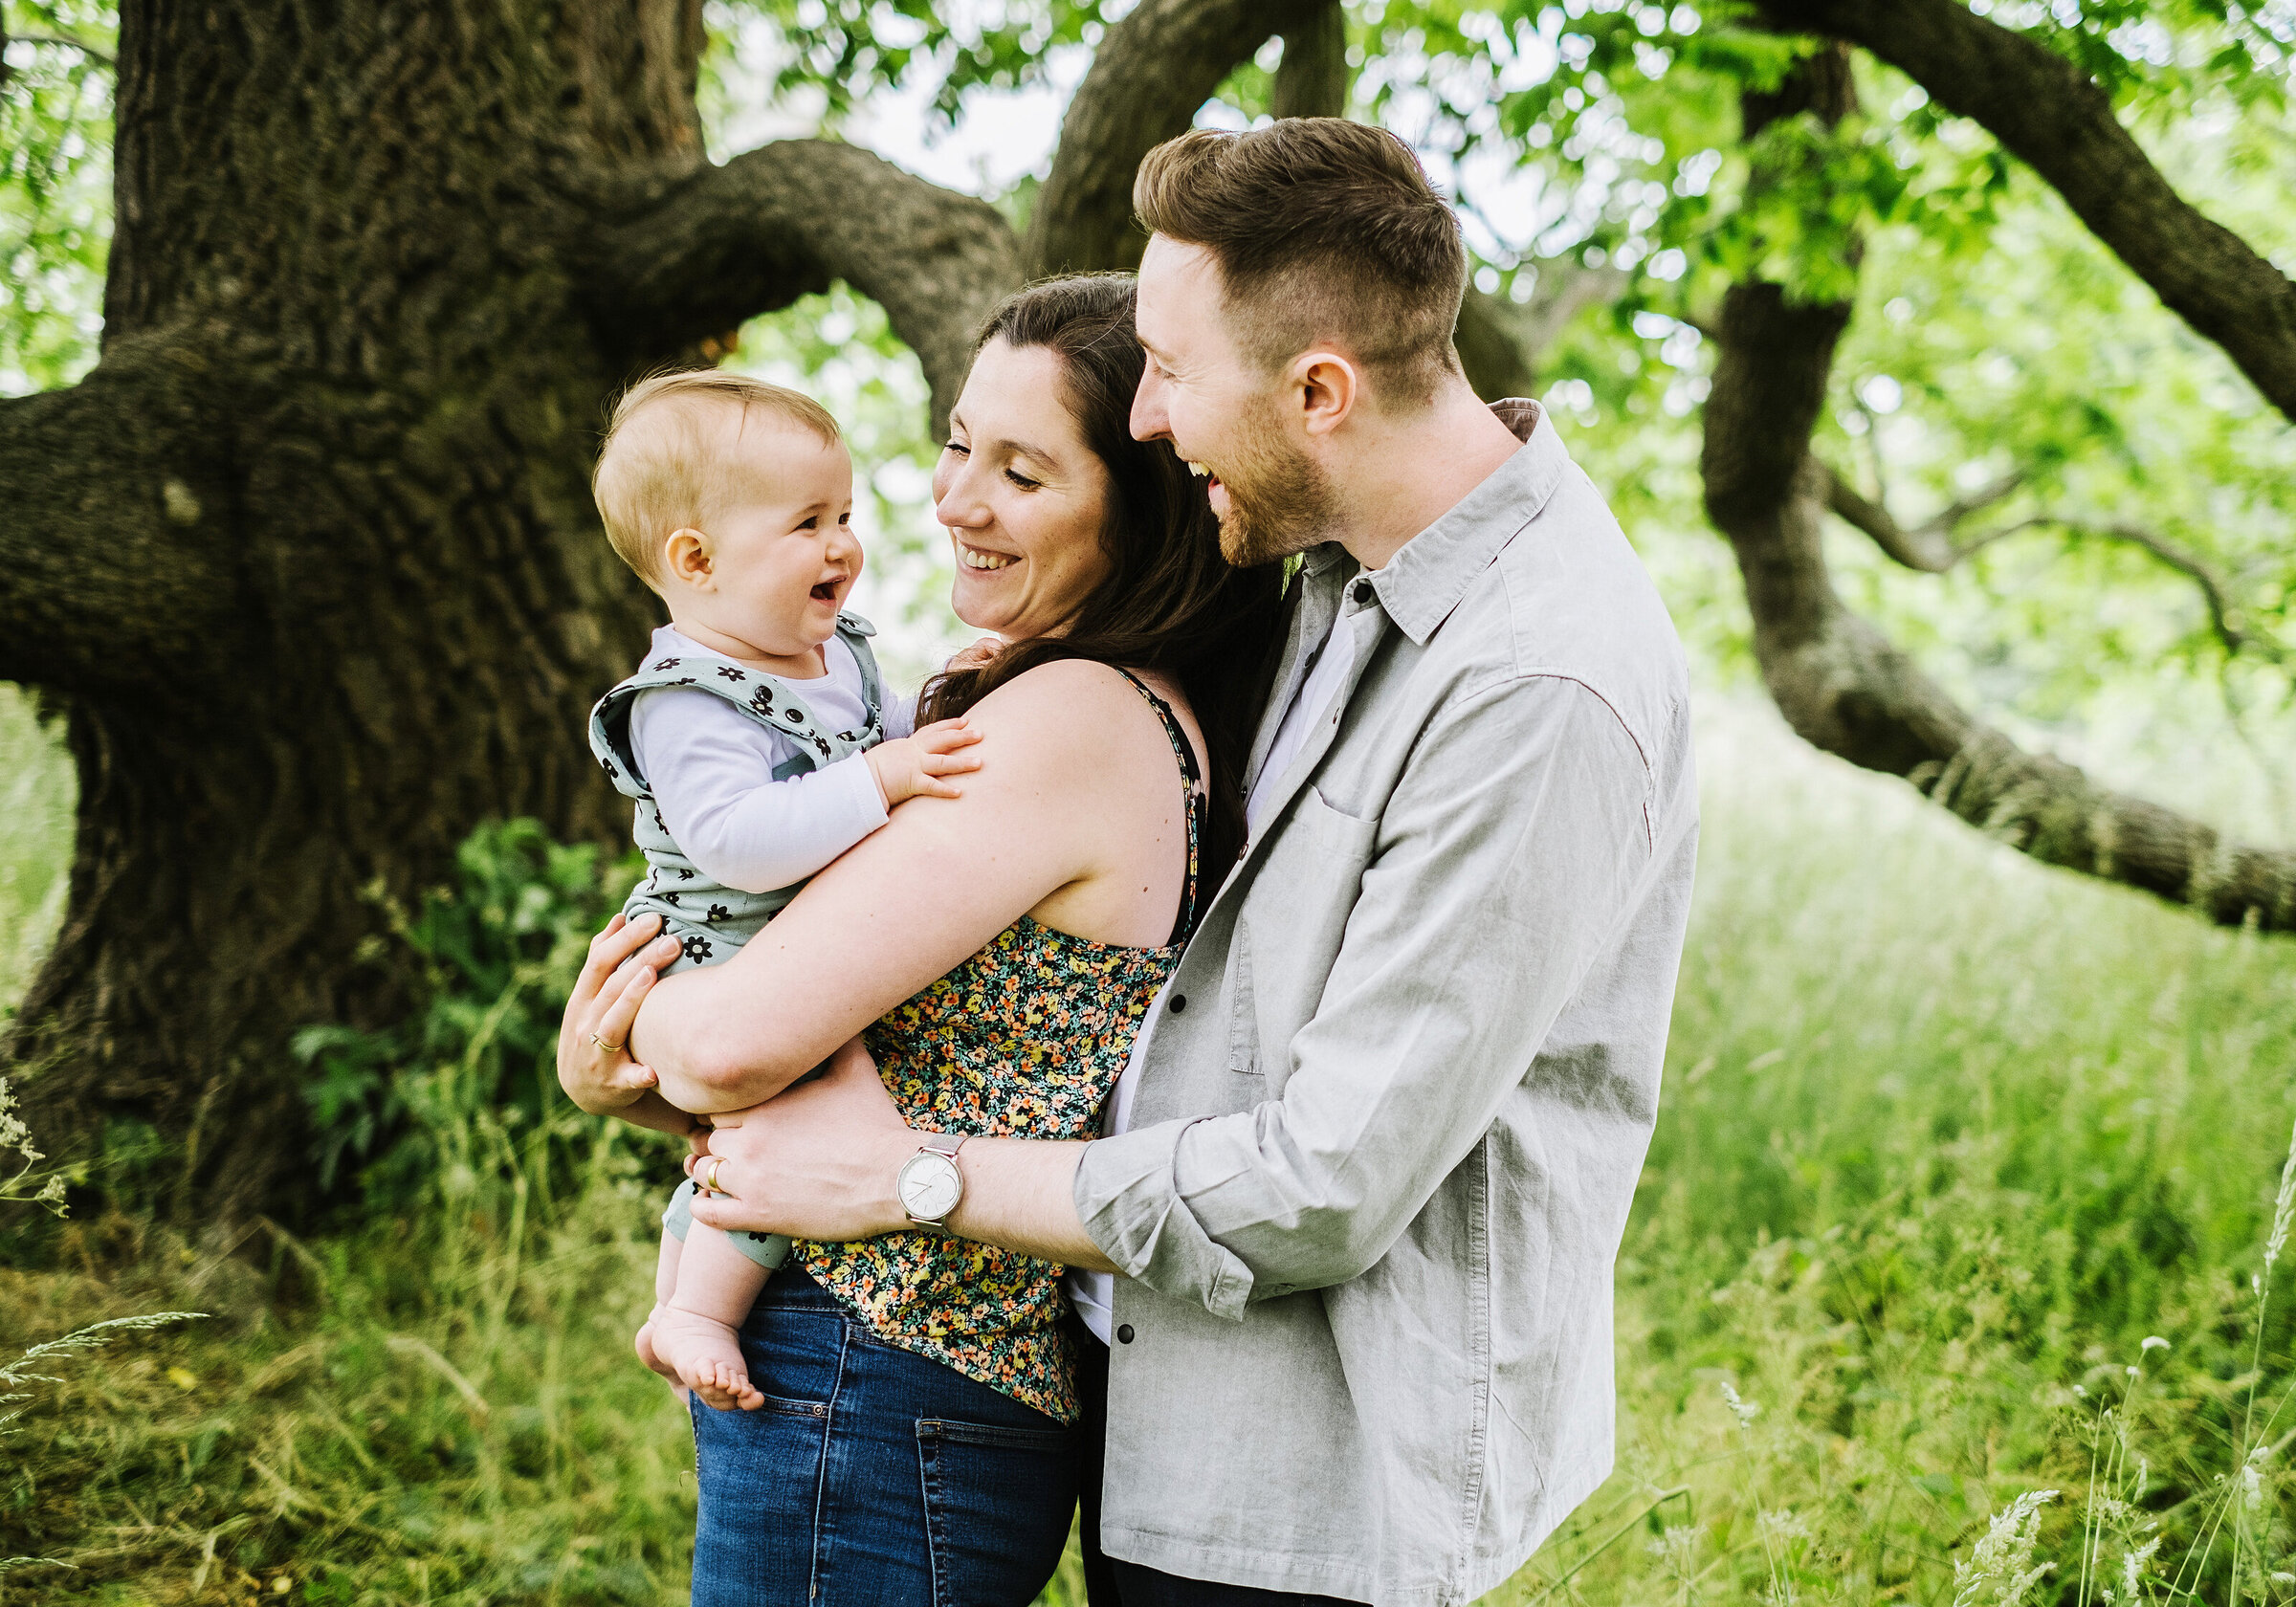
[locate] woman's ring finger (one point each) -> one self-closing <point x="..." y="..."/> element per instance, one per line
<point x="610" y="1048"/>
<point x="715" y="1162"/>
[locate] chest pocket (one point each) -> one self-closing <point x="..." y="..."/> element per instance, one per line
<point x="1289" y="929"/>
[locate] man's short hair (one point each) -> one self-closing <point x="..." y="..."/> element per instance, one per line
<point x="673" y="473"/>
<point x="1321" y="226"/>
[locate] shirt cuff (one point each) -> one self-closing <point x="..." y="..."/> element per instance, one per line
<point x="868" y="798"/>
<point x="1129" y="1202"/>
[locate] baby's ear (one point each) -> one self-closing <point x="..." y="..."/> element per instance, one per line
<point x="686" y="557"/>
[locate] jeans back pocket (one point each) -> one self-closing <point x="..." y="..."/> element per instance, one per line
<point x="998" y="1500"/>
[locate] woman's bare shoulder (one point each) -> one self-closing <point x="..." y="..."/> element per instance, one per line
<point x="1070" y="710"/>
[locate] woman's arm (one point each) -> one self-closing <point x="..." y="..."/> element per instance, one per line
<point x="1068" y="754"/>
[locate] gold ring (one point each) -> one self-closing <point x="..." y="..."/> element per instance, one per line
<point x="610" y="1048"/>
<point x="715" y="1162"/>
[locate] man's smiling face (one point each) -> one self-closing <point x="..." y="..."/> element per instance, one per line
<point x="1222" y="410"/>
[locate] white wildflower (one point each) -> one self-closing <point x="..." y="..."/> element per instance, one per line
<point x="1782" y="1524"/>
<point x="2134" y="1565"/>
<point x="2284" y="1204"/>
<point x="1742" y="1410"/>
<point x="2152" y="1342"/>
<point x="2000" y="1570"/>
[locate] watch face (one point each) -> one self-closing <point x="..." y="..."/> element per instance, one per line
<point x="929" y="1186"/>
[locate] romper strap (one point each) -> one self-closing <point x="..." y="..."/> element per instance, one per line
<point x="1192" y="784"/>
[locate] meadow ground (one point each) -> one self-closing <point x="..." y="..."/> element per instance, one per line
<point x="1949" y="1141"/>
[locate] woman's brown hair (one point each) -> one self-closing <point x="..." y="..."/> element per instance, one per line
<point x="1170" y="602"/>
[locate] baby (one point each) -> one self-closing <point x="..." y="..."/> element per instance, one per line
<point x="757" y="736"/>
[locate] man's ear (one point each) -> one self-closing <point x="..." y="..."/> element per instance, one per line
<point x="686" y="557"/>
<point x="1327" y="388"/>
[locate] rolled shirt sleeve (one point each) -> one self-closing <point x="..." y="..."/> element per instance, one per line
<point x="1507" y="859"/>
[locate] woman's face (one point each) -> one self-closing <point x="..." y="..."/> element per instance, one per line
<point x="1021" y="496"/>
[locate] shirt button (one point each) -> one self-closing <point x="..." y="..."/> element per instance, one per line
<point x="1124" y="1333"/>
<point x="1179" y="1002"/>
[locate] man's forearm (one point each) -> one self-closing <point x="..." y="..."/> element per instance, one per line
<point x="1021" y="1194"/>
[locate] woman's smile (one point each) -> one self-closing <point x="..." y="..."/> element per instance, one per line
<point x="980" y="558"/>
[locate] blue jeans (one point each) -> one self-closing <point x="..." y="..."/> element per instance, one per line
<point x="872" y="1477"/>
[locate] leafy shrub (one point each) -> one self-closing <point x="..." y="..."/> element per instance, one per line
<point x="467" y="1077"/>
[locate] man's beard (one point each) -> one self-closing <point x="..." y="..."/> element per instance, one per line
<point x="1279" y="500"/>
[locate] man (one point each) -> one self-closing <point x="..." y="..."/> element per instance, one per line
<point x="1366" y="1175"/>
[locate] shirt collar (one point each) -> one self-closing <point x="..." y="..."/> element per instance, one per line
<point x="1427" y="575"/>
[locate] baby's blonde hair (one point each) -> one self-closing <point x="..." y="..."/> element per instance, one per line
<point x="649" y="483"/>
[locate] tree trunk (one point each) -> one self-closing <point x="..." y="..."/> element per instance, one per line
<point x="308" y="562"/>
<point x="337" y="280"/>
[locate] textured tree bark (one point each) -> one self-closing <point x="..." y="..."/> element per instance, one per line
<point x="1314" y="77"/>
<point x="1152" y="72"/>
<point x="1843" y="686"/>
<point x="2045" y="111"/>
<point x="308" y="562"/>
<point x="700" y="250"/>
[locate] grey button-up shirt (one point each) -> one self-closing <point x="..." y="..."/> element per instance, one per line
<point x="1381" y="1156"/>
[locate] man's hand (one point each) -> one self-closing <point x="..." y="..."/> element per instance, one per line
<point x="910" y="765"/>
<point x="815" y="1163"/>
<point x="595" y="1065"/>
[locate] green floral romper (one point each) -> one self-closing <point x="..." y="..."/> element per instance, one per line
<point x="1027" y="1038"/>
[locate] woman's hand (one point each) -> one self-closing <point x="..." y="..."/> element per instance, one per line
<point x="594" y="1065"/>
<point x="816" y="1162"/>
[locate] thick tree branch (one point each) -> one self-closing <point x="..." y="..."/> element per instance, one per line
<point x="117" y="556"/>
<point x="1849" y="690"/>
<point x="1313" y="79"/>
<point x="1152" y="72"/>
<point x="695" y="254"/>
<point x="2061" y="124"/>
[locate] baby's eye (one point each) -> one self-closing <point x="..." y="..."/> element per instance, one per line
<point x="846" y="517"/>
<point x="811" y="522"/>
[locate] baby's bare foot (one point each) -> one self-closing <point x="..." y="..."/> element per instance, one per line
<point x="652" y="1359"/>
<point x="705" y="1355"/>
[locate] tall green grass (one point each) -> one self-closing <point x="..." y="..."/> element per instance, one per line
<point x="1947" y="1138"/>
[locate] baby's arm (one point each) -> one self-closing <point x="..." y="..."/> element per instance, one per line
<point x="710" y="769"/>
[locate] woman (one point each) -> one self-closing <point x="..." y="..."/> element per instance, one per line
<point x="997" y="954"/>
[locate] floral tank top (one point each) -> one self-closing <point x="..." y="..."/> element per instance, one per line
<point x="1027" y="1038"/>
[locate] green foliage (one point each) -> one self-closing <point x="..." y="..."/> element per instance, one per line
<point x="493" y="957"/>
<point x="846" y="49"/>
<point x="56" y="192"/>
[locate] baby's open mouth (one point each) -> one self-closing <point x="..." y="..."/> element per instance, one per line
<point x="826" y="591"/>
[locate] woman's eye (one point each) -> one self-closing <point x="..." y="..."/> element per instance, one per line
<point x="957" y="447"/>
<point x="1019" y="480"/>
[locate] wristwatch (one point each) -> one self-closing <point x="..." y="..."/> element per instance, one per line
<point x="928" y="1184"/>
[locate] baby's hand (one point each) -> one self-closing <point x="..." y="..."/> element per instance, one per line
<point x="910" y="765"/>
<point x="974" y="657"/>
